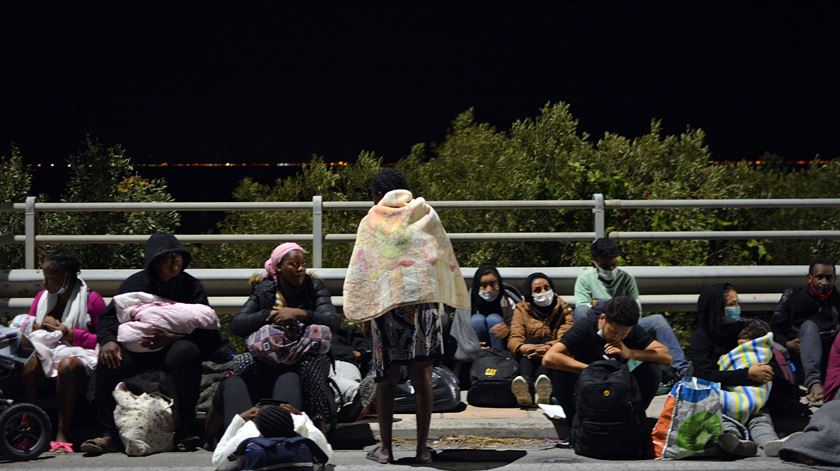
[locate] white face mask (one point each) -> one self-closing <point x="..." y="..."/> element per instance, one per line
<point x="544" y="299"/>
<point x="606" y="275"/>
<point x="489" y="296"/>
<point x="63" y="288"/>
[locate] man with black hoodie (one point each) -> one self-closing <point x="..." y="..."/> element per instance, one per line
<point x="806" y="317"/>
<point x="181" y="356"/>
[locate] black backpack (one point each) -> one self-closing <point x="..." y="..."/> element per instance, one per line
<point x="609" y="421"/>
<point x="490" y="377"/>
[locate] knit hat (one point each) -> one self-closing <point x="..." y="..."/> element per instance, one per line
<point x="274" y="421"/>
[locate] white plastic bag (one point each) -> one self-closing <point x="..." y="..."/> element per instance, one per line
<point x="145" y="422"/>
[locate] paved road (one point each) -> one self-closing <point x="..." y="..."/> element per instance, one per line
<point x="533" y="459"/>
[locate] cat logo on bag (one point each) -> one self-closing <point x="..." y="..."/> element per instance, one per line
<point x="490" y="372"/>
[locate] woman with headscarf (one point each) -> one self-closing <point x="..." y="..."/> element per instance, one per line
<point x="492" y="309"/>
<point x="718" y="324"/>
<point x="538" y="323"/>
<point x="285" y="295"/>
<point x="66" y="312"/>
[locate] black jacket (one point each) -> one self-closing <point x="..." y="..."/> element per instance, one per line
<point x="314" y="298"/>
<point x="802" y="305"/>
<point x="183" y="289"/>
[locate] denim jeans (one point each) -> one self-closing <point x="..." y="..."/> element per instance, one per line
<point x="482" y="324"/>
<point x="657" y="327"/>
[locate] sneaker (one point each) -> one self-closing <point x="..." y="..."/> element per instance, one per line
<point x="731" y="443"/>
<point x="772" y="448"/>
<point x="543" y="390"/>
<point x="520" y="390"/>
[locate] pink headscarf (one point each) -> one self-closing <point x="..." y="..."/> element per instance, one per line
<point x="276" y="255"/>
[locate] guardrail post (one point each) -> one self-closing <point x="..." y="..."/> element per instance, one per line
<point x="30" y="226"/>
<point x="598" y="215"/>
<point x="317" y="231"/>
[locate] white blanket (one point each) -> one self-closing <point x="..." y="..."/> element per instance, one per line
<point x="140" y="312"/>
<point x="51" y="351"/>
<point x="75" y="313"/>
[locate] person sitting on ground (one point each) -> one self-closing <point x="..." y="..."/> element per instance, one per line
<point x="806" y="322"/>
<point x="746" y="404"/>
<point x="605" y="280"/>
<point x="492" y="308"/>
<point x="539" y="322"/>
<point x="67" y="311"/>
<point x="285" y="296"/>
<point x="718" y="324"/>
<point x="614" y="334"/>
<point x="179" y="355"/>
<point x="267" y="421"/>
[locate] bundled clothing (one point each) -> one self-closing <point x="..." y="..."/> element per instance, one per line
<point x="820" y="440"/>
<point x="51" y="350"/>
<point x="139" y="313"/>
<point x="402" y="257"/>
<point x="743" y="402"/>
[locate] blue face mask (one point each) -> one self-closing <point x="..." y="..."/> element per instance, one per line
<point x="731" y="314"/>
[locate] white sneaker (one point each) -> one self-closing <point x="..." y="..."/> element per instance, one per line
<point x="520" y="390"/>
<point x="543" y="390"/>
<point x="772" y="448"/>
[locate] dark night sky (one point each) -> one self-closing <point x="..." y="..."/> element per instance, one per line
<point x="244" y="82"/>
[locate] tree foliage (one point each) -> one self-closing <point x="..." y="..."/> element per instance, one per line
<point x="15" y="186"/>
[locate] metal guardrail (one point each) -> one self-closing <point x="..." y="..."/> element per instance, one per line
<point x="598" y="205"/>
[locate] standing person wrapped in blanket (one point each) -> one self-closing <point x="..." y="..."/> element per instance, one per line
<point x="402" y="270"/>
<point x="744" y="404"/>
<point x="61" y="325"/>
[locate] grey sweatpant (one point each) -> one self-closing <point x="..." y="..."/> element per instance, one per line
<point x="760" y="429"/>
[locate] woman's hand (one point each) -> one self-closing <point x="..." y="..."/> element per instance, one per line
<point x="284" y="315"/>
<point x="527" y="349"/>
<point x="159" y="338"/>
<point x="761" y="374"/>
<point x="111" y="355"/>
<point x="51" y="324"/>
<point x="539" y="351"/>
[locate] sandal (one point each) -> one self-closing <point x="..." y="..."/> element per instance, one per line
<point x="99" y="446"/>
<point x="373" y="456"/>
<point x="188" y="444"/>
<point x="61" y="447"/>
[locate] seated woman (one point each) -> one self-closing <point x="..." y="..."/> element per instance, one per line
<point x="177" y="354"/>
<point x="538" y="323"/>
<point x="718" y="326"/>
<point x="66" y="312"/>
<point x="285" y="295"/>
<point x="492" y="309"/>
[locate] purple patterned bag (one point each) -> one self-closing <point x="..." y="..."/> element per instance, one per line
<point x="284" y="345"/>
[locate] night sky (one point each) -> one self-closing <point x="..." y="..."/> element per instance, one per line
<point x="247" y="82"/>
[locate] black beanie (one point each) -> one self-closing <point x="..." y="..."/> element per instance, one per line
<point x="273" y="421"/>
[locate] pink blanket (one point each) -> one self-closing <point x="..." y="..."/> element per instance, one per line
<point x="140" y="312"/>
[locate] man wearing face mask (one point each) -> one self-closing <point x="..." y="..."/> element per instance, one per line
<point x="539" y="322"/>
<point x="806" y="322"/>
<point x="605" y="280"/>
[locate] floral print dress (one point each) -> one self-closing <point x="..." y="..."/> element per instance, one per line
<point x="406" y="334"/>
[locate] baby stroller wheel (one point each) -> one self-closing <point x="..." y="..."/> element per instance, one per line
<point x="25" y="432"/>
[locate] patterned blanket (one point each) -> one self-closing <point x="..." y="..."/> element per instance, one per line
<point x="742" y="402"/>
<point x="402" y="256"/>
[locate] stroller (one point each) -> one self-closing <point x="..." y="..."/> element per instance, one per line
<point x="25" y="429"/>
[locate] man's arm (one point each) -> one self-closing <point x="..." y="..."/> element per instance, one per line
<point x="655" y="352"/>
<point x="558" y="358"/>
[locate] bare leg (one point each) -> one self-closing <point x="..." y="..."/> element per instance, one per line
<point x="69" y="386"/>
<point x="385" y="412"/>
<point x="421" y="379"/>
<point x="31" y="376"/>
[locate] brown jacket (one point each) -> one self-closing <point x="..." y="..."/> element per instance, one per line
<point x="526" y="324"/>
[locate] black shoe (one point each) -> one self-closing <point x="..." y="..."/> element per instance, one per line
<point x="731" y="443"/>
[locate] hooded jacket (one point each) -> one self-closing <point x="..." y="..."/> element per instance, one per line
<point x="802" y="305"/>
<point x="184" y="288"/>
<point x="712" y="338"/>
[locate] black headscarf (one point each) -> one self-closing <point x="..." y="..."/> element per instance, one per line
<point x="478" y="304"/>
<point x="541" y="311"/>
<point x="710" y="311"/>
